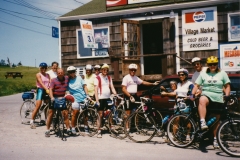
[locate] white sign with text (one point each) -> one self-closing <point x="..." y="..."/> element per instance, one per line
<point x="87" y="34"/>
<point x="200" y="29"/>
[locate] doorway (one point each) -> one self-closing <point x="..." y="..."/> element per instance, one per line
<point x="152" y="36"/>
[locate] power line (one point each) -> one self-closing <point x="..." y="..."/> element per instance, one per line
<point x="51" y="5"/>
<point x="24" y="28"/>
<point x="78" y="2"/>
<point x="26" y="14"/>
<point x="26" y="19"/>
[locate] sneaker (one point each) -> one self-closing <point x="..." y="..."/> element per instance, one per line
<point x="215" y="144"/>
<point x="114" y="130"/>
<point x="86" y="129"/>
<point x="203" y="125"/>
<point x="188" y="138"/>
<point x="74" y="131"/>
<point x="32" y="126"/>
<point x="99" y="134"/>
<point x="69" y="132"/>
<point x="47" y="134"/>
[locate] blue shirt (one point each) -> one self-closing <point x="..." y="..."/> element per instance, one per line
<point x="75" y="87"/>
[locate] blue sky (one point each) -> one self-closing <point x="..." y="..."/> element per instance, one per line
<point x="33" y="44"/>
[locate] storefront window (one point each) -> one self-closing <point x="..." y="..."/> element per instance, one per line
<point x="234" y="27"/>
<point x="101" y="36"/>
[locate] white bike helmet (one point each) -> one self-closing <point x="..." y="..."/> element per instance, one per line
<point x="105" y="65"/>
<point x="196" y="59"/>
<point x="132" y="66"/>
<point x="88" y="67"/>
<point x="97" y="66"/>
<point x="71" y="68"/>
<point x="185" y="71"/>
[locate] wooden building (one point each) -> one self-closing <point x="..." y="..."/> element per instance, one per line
<point x="149" y="34"/>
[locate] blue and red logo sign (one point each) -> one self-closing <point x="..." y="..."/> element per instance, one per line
<point x="199" y="16"/>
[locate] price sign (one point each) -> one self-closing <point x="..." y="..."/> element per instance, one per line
<point x="87" y="34"/>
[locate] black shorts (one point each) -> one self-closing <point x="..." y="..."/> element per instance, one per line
<point x="129" y="105"/>
<point x="104" y="104"/>
<point x="215" y="107"/>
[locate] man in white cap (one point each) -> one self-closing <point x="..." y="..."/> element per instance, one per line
<point x="129" y="87"/>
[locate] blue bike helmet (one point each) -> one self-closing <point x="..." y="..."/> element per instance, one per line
<point x="43" y="64"/>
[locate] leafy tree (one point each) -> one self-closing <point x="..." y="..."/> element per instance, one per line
<point x="2" y="62"/>
<point x="13" y="65"/>
<point x="20" y="63"/>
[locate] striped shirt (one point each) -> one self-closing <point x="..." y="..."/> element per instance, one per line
<point x="59" y="87"/>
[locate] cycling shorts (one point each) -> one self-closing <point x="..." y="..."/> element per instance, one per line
<point x="77" y="105"/>
<point x="41" y="94"/>
<point x="129" y="105"/>
<point x="214" y="107"/>
<point x="104" y="104"/>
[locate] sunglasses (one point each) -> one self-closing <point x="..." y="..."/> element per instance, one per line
<point x="196" y="64"/>
<point x="70" y="72"/>
<point x="181" y="75"/>
<point x="96" y="69"/>
<point x="133" y="70"/>
<point x="212" y="64"/>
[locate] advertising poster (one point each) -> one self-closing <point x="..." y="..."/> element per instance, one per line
<point x="114" y="3"/>
<point x="230" y="57"/>
<point x="200" y="29"/>
<point x="234" y="26"/>
<point x="87" y="34"/>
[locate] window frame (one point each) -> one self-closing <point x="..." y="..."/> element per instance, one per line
<point x="92" y="50"/>
<point x="230" y="15"/>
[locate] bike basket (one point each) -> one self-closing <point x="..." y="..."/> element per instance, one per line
<point x="27" y="95"/>
<point x="60" y="104"/>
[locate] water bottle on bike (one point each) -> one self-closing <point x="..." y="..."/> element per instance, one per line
<point x="211" y="121"/>
<point x="165" y="119"/>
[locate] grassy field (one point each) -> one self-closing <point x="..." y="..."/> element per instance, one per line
<point x="11" y="86"/>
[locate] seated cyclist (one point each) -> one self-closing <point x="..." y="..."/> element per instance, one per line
<point x="43" y="81"/>
<point x="212" y="81"/>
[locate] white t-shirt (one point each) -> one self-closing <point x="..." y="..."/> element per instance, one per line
<point x="52" y="74"/>
<point x="182" y="90"/>
<point x="196" y="74"/>
<point x="105" y="87"/>
<point x="131" y="83"/>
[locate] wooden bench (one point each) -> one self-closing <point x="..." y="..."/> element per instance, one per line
<point x="13" y="74"/>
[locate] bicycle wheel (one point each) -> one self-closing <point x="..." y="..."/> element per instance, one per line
<point x="181" y="130"/>
<point x="26" y="111"/>
<point x="228" y="137"/>
<point x="157" y="116"/>
<point x="116" y="123"/>
<point x="139" y="128"/>
<point x="89" y="116"/>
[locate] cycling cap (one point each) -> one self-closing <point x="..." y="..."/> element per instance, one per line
<point x="88" y="67"/>
<point x="105" y="65"/>
<point x="173" y="82"/>
<point x="132" y="66"/>
<point x="212" y="59"/>
<point x="43" y="64"/>
<point x="196" y="59"/>
<point x="97" y="66"/>
<point x="185" y="71"/>
<point x="71" y="68"/>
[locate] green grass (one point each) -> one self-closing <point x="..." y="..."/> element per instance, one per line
<point x="11" y="86"/>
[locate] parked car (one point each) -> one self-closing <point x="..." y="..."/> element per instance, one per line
<point x="165" y="103"/>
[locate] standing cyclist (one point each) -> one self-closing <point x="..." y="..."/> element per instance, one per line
<point x="129" y="87"/>
<point x="53" y="71"/>
<point x="103" y="87"/>
<point x="43" y="82"/>
<point x="78" y="88"/>
<point x="89" y="79"/>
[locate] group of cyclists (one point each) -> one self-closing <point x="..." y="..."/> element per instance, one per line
<point x="208" y="84"/>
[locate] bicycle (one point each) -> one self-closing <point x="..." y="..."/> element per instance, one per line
<point x="184" y="128"/>
<point x="87" y="118"/>
<point x="140" y="126"/>
<point x="28" y="107"/>
<point x="228" y="133"/>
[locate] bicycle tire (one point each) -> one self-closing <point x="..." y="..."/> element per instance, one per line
<point x="26" y="110"/>
<point x="141" y="129"/>
<point x="228" y="142"/>
<point x="178" y="128"/>
<point x="91" y="116"/>
<point x="116" y="123"/>
<point x="60" y="125"/>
